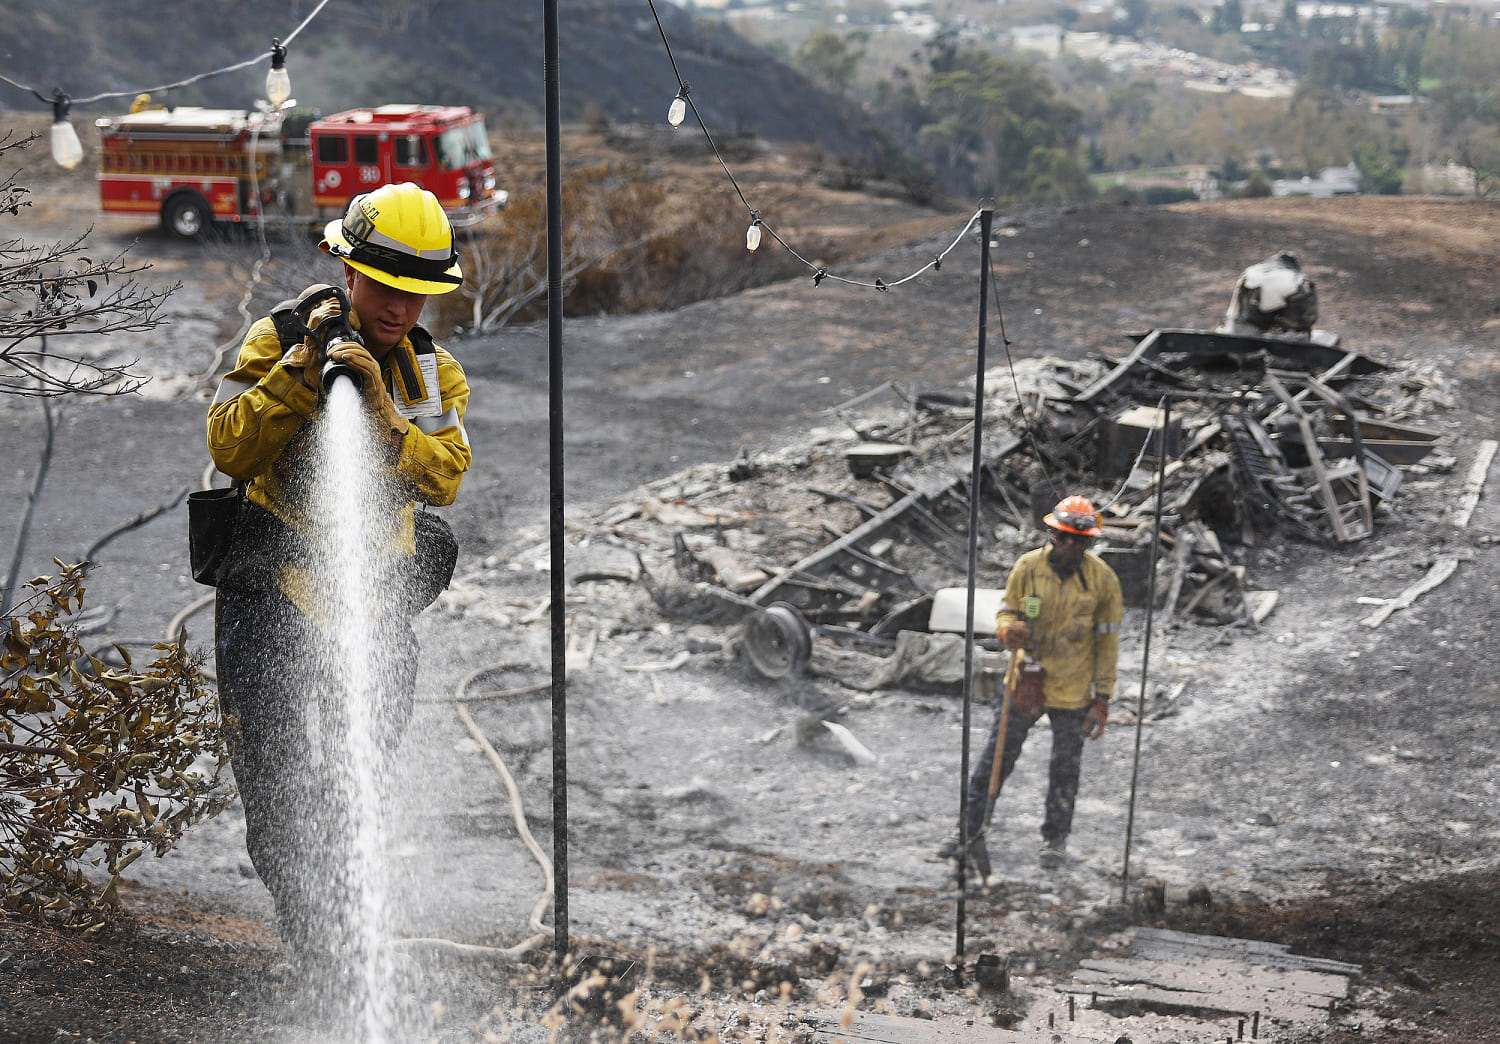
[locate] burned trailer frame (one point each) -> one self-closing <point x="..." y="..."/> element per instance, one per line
<point x="849" y="590"/>
<point x="1330" y="361"/>
<point x="1268" y="433"/>
<point x="1299" y="445"/>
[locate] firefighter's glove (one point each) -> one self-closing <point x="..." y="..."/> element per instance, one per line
<point x="323" y="310"/>
<point x="302" y="363"/>
<point x="1096" y="718"/>
<point x="1015" y="634"/>
<point x="390" y="425"/>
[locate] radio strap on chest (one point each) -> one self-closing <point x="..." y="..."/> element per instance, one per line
<point x="413" y="386"/>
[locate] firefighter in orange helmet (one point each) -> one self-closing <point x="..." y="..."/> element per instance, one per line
<point x="1063" y="607"/>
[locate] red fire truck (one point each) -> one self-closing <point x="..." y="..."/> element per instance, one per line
<point x="196" y="166"/>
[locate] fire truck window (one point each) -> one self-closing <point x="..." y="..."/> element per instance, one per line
<point x="333" y="150"/>
<point x="411" y="151"/>
<point x="479" y="141"/>
<point x="451" y="148"/>
<point x="366" y="150"/>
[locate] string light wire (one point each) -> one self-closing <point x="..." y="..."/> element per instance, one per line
<point x="820" y="272"/>
<point x="1015" y="383"/>
<point x="106" y="95"/>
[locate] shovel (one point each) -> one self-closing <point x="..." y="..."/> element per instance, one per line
<point x="976" y="843"/>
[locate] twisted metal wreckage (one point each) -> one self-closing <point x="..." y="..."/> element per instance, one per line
<point x="1271" y="428"/>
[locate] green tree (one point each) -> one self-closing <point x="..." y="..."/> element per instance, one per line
<point x="1323" y="130"/>
<point x="1467" y="115"/>
<point x="831" y="58"/>
<point x="987" y="116"/>
<point x="1053" y="175"/>
<point x="1379" y="175"/>
<point x="1257" y="186"/>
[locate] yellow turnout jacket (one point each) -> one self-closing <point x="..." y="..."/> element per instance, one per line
<point x="257" y="433"/>
<point x="1075" y="624"/>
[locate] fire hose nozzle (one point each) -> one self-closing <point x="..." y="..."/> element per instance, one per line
<point x="333" y="369"/>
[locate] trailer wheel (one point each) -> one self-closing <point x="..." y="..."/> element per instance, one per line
<point x="778" y="641"/>
<point x="186" y="215"/>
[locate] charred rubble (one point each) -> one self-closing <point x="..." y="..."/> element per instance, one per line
<point x="1196" y="444"/>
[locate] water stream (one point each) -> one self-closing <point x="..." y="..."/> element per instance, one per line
<point x="357" y="735"/>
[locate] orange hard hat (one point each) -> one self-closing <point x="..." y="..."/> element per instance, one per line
<point x="1075" y="515"/>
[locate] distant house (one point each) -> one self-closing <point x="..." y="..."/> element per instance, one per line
<point x="1393" y="104"/>
<point x="1043" y="39"/>
<point x="1331" y="181"/>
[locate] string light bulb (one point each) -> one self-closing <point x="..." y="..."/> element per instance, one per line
<point x="752" y="234"/>
<point x="677" y="111"/>
<point x="67" y="150"/>
<point x="278" y="81"/>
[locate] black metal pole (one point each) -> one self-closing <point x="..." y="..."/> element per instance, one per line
<point x="986" y="224"/>
<point x="559" y="614"/>
<point x="1140" y="703"/>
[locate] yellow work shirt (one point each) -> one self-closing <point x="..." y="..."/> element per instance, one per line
<point x="1075" y="624"/>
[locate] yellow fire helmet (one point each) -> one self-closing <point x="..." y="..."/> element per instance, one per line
<point x="398" y="235"/>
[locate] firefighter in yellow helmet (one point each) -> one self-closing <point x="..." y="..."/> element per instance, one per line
<point x="1063" y="608"/>
<point x="276" y="632"/>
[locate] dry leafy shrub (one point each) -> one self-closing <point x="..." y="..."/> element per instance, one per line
<point x="95" y="760"/>
<point x="629" y="245"/>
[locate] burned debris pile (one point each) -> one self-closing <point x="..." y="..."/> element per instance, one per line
<point x="1197" y="445"/>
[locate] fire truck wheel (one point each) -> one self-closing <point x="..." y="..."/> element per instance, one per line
<point x="185" y="215"/>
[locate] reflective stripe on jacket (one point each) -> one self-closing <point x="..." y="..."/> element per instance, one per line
<point x="1075" y="629"/>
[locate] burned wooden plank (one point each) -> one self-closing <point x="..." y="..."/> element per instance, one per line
<point x="852" y="557"/>
<point x="1165" y="944"/>
<point x="1145" y="348"/>
<point x="877" y="1028"/>
<point x="834" y="558"/>
<point x="1234" y="985"/>
<point x="1437" y="573"/>
<point x="1339" y="485"/>
<point x="1474" y="482"/>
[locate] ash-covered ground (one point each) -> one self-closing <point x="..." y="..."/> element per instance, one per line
<point x="1330" y="785"/>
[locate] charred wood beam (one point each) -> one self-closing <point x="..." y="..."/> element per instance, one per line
<point x="1291" y="349"/>
<point x="865" y="507"/>
<point x="850" y="557"/>
<point x="1145" y="347"/>
<point x="1205" y="344"/>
